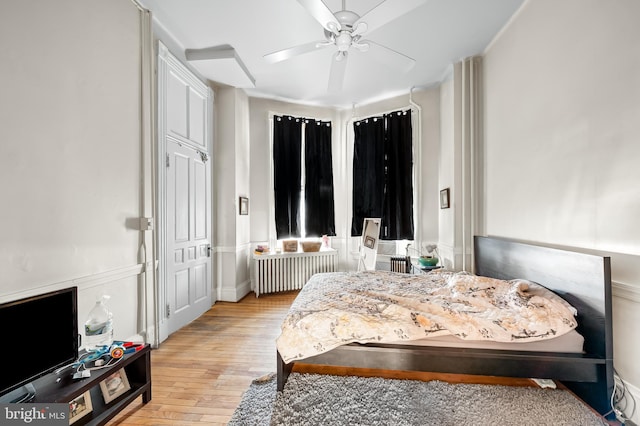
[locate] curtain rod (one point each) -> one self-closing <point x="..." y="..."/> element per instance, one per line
<point x="405" y="108"/>
<point x="302" y="118"/>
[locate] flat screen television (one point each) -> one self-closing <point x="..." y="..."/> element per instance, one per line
<point x="39" y="335"/>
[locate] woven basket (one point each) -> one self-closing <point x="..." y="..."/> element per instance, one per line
<point x="289" y="246"/>
<point x="311" y="246"/>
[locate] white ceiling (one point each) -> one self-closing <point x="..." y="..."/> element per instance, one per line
<point x="436" y="34"/>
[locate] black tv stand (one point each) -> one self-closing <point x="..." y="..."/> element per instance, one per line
<point x="23" y="394"/>
<point x="62" y="388"/>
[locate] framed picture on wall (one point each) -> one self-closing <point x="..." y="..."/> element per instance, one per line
<point x="444" y="198"/>
<point x="244" y="205"/>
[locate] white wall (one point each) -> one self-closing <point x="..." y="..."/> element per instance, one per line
<point x="70" y="152"/>
<point x="225" y="167"/>
<point x="447" y="173"/>
<point x="243" y="176"/>
<point x="562" y="123"/>
<point x="232" y="169"/>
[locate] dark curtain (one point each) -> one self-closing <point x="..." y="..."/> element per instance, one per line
<point x="287" y="142"/>
<point x="318" y="200"/>
<point x="368" y="171"/>
<point x="397" y="216"/>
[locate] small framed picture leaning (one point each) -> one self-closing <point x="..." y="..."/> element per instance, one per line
<point x="114" y="385"/>
<point x="80" y="407"/>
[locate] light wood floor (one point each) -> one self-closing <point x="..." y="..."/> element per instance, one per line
<point x="198" y="375"/>
<point x="200" y="372"/>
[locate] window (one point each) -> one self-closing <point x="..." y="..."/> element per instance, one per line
<point x="303" y="177"/>
<point x="383" y="175"/>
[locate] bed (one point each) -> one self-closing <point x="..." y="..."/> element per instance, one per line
<point x="583" y="280"/>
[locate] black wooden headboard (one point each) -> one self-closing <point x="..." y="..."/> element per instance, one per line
<point x="584" y="280"/>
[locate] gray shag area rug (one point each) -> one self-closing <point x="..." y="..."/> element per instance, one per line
<point x="313" y="399"/>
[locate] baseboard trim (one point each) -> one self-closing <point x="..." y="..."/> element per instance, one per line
<point x="236" y="293"/>
<point x="626" y="291"/>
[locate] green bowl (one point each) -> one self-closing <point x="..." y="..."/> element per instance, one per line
<point x="428" y="261"/>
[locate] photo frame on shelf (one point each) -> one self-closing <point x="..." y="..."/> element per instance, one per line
<point x="114" y="385"/>
<point x="80" y="407"/>
<point x="244" y="206"/>
<point x="444" y="198"/>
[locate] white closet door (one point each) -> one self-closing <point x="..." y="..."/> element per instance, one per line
<point x="185" y="279"/>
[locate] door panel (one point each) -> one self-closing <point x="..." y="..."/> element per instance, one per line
<point x="181" y="293"/>
<point x="200" y="206"/>
<point x="197" y="107"/>
<point x="188" y="264"/>
<point x="181" y="175"/>
<point x="177" y="93"/>
<point x="200" y="273"/>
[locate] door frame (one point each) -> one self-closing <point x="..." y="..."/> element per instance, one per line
<point x="165" y="61"/>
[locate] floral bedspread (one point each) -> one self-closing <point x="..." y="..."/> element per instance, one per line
<point x="337" y="308"/>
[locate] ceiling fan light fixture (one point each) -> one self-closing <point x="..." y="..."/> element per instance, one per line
<point x="361" y="28"/>
<point x="343" y="41"/>
<point x="363" y="47"/>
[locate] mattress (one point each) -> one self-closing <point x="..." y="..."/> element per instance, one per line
<point x="571" y="342"/>
<point x="339" y="308"/>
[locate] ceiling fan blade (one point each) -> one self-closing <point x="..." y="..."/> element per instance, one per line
<point x="389" y="56"/>
<point x="282" y="55"/>
<point x="386" y="12"/>
<point x="321" y="13"/>
<point x="337" y="72"/>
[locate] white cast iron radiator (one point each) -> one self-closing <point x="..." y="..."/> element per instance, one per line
<point x="289" y="271"/>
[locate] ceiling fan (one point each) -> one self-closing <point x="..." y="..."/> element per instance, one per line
<point x="345" y="30"/>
